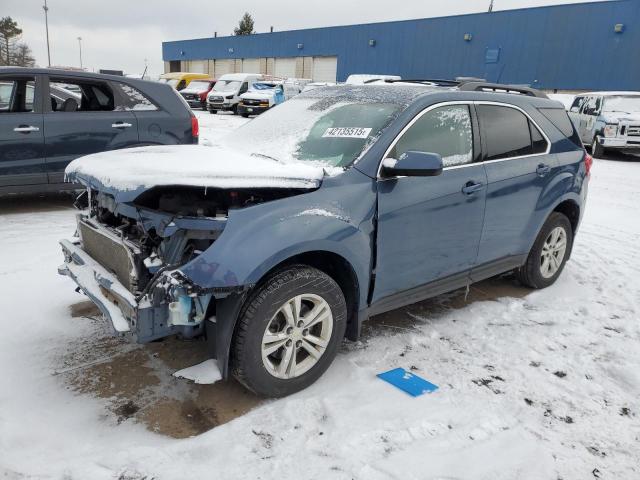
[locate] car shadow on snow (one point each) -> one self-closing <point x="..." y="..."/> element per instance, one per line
<point x="138" y="384"/>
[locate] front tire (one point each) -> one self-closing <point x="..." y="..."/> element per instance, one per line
<point x="549" y="253"/>
<point x="289" y="332"/>
<point x="597" y="150"/>
<point x="213" y="112"/>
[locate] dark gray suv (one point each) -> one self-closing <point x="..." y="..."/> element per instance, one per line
<point x="50" y="117"/>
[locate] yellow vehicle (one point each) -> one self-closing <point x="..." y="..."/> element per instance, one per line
<point x="180" y="80"/>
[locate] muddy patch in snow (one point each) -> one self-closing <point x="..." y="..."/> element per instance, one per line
<point x="138" y="385"/>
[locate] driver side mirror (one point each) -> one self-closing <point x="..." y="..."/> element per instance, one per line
<point x="413" y="164"/>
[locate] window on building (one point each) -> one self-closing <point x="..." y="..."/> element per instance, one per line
<point x="445" y="130"/>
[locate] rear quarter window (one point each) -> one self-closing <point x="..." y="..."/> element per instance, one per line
<point x="134" y="99"/>
<point x="562" y="122"/>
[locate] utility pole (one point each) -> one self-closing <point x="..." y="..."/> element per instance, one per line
<point x="80" y="45"/>
<point x="491" y="6"/>
<point x="46" y="23"/>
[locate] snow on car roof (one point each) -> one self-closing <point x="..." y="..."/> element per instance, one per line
<point x="401" y="95"/>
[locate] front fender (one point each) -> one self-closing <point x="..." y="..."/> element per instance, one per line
<point x="337" y="218"/>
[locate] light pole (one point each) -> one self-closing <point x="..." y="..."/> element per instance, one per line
<point x="80" y="45"/>
<point x="46" y="23"/>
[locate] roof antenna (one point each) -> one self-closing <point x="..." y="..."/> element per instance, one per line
<point x="491" y="6"/>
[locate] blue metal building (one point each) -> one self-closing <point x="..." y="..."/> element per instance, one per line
<point x="586" y="46"/>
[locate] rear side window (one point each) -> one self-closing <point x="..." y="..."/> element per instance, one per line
<point x="562" y="122"/>
<point x="134" y="99"/>
<point x="445" y="130"/>
<point x="509" y="133"/>
<point x="79" y="95"/>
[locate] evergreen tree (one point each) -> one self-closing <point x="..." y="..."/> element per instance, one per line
<point x="245" y="27"/>
<point x="9" y="35"/>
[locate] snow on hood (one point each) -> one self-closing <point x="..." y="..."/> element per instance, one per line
<point x="613" y="117"/>
<point x="193" y="165"/>
<point x="255" y="95"/>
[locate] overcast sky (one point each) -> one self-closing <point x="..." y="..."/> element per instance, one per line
<point x="121" y="34"/>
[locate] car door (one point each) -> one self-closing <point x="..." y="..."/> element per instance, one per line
<point x="429" y="227"/>
<point x="519" y="169"/>
<point x="85" y="123"/>
<point x="21" y="131"/>
<point x="587" y="119"/>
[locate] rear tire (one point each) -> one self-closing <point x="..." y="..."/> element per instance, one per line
<point x="271" y="351"/>
<point x="597" y="150"/>
<point x="549" y="253"/>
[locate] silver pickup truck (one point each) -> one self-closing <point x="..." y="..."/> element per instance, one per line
<point x="608" y="120"/>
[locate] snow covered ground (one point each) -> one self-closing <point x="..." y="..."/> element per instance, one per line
<point x="533" y="385"/>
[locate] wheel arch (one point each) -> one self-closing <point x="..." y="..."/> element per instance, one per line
<point x="339" y="269"/>
<point x="571" y="210"/>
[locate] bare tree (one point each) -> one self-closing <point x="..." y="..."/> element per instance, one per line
<point x="9" y="35"/>
<point x="22" y="56"/>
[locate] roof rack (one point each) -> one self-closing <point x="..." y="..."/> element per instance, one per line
<point x="500" y="88"/>
<point x="428" y="81"/>
<point x="471" y="84"/>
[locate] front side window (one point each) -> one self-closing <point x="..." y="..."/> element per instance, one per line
<point x="16" y="95"/>
<point x="509" y="133"/>
<point x="445" y="130"/>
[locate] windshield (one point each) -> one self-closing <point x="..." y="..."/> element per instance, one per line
<point x="331" y="131"/>
<point x="622" y="104"/>
<point x="171" y="81"/>
<point x="227" y="85"/>
<point x="197" y="85"/>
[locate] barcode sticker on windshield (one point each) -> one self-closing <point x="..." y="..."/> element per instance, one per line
<point x="347" y="132"/>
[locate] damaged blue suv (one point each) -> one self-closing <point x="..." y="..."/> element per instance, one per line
<point x="340" y="204"/>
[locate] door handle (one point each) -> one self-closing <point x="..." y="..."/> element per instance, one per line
<point x="543" y="170"/>
<point x="26" y="129"/>
<point x="121" y="125"/>
<point x="471" y="187"/>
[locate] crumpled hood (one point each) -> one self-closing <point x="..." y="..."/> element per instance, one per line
<point x="615" y="117"/>
<point x="192" y="165"/>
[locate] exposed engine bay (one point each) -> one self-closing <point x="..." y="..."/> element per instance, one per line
<point x="141" y="245"/>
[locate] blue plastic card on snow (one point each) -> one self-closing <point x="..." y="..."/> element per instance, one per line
<point x="408" y="382"/>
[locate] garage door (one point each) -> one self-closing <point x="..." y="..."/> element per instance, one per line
<point x="198" y="66"/>
<point x="325" y="69"/>
<point x="251" y="65"/>
<point x="223" y="67"/>
<point x="285" y="67"/>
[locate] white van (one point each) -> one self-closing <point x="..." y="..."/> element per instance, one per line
<point x="227" y="90"/>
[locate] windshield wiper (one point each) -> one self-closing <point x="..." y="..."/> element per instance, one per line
<point x="262" y="155"/>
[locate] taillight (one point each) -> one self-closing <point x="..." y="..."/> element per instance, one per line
<point x="195" y="128"/>
<point x="588" y="161"/>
